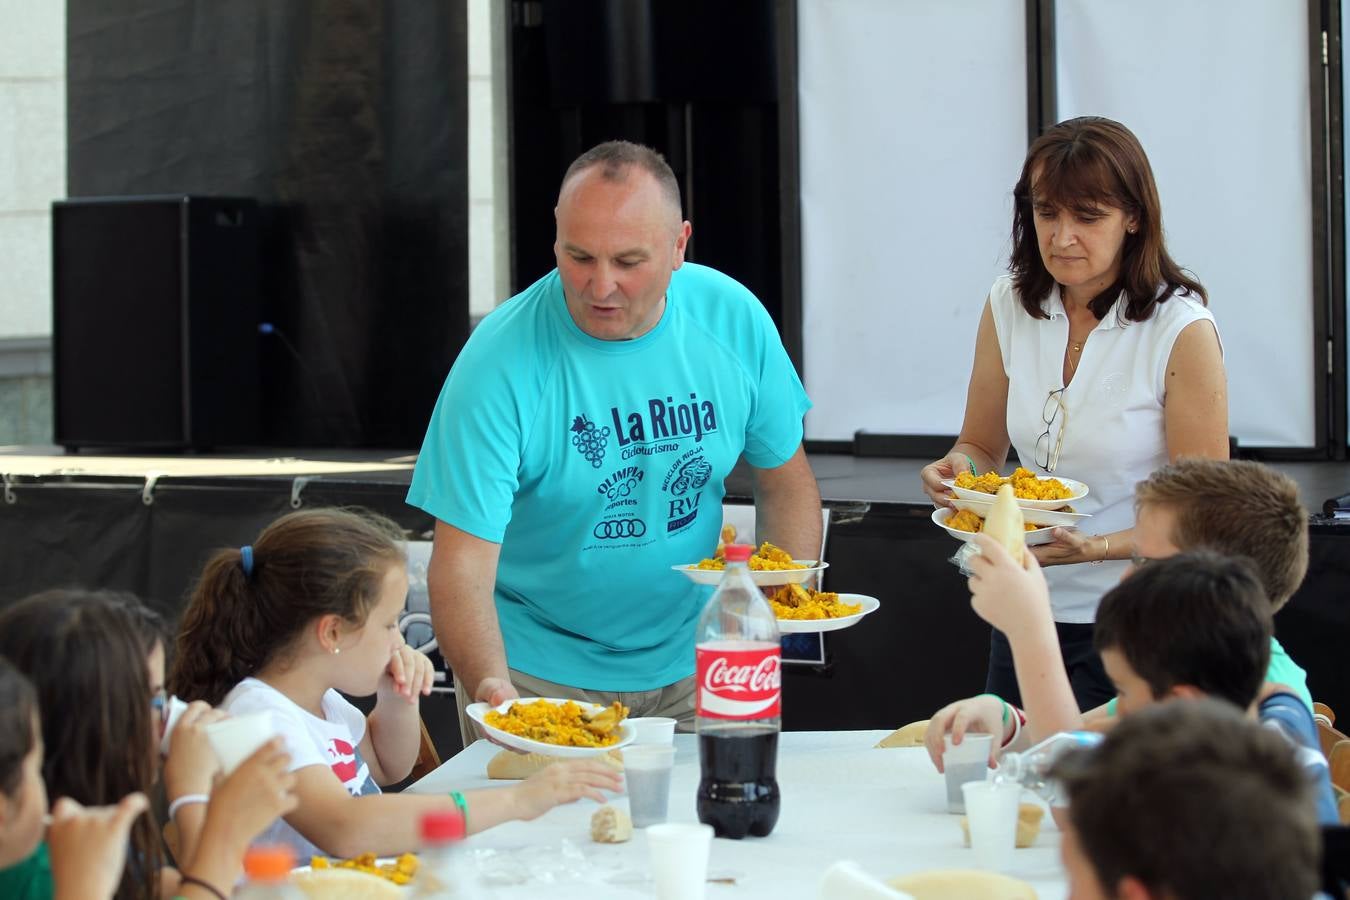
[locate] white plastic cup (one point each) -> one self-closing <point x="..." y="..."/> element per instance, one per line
<point x="963" y="762"/>
<point x="173" y="709"/>
<point x="679" y="858"/>
<point x="991" y="808"/>
<point x="235" y="739"/>
<point x="646" y="772"/>
<point x="653" y="730"/>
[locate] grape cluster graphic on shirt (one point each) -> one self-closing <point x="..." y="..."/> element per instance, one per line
<point x="589" y="440"/>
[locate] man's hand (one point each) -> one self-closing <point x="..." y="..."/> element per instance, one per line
<point x="495" y="691"/>
<point x="1014" y="599"/>
<point x="974" y="715"/>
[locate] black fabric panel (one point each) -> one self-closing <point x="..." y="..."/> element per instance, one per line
<point x="347" y="120"/>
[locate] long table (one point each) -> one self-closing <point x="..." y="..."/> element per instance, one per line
<point x="842" y="799"/>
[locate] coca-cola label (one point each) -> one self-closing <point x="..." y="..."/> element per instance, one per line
<point x="736" y="683"/>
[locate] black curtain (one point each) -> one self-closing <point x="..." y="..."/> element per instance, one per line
<point x="697" y="80"/>
<point x="347" y="121"/>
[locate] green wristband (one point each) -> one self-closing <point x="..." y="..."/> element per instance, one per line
<point x="463" y="808"/>
<point x="1000" y="700"/>
<point x="973" y="471"/>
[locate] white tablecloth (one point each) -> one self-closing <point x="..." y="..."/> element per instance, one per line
<point x="842" y="799"/>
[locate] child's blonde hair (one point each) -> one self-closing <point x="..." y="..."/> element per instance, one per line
<point x="251" y="602"/>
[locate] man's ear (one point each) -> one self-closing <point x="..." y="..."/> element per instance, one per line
<point x="1184" y="692"/>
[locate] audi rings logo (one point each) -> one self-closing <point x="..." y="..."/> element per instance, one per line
<point x="620" y="528"/>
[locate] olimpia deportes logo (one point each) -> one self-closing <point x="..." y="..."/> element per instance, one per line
<point x="589" y="440"/>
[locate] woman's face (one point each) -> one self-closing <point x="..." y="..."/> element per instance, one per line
<point x="1081" y="248"/>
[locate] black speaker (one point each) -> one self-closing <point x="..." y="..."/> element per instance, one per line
<point x="155" y="322"/>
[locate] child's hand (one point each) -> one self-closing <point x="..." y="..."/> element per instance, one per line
<point x="88" y="846"/>
<point x="191" y="762"/>
<point x="973" y="715"/>
<point x="1014" y="599"/>
<point x="564" y="782"/>
<point x="249" y="799"/>
<point x="410" y="674"/>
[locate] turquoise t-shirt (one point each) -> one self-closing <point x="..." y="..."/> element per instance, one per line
<point x="598" y="465"/>
<point x="30" y="879"/>
<point x="1282" y="670"/>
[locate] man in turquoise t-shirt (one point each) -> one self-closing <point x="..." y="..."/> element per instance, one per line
<point x="579" y="447"/>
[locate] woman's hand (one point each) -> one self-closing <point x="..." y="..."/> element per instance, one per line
<point x="191" y="762"/>
<point x="945" y="468"/>
<point x="409" y="675"/>
<point x="563" y="782"/>
<point x="1070" y="546"/>
<point x="88" y="845"/>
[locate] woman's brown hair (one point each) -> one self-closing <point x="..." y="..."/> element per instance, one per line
<point x="85" y="653"/>
<point x="18" y="714"/>
<point x="1084" y="164"/>
<point x="250" y="603"/>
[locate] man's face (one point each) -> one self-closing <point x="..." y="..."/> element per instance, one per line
<point x="617" y="245"/>
<point x="1083" y="881"/>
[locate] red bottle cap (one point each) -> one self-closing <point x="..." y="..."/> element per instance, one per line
<point x="738" y="552"/>
<point x="269" y="862"/>
<point x="442" y="827"/>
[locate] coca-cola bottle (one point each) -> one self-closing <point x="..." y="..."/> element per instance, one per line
<point x="738" y="664"/>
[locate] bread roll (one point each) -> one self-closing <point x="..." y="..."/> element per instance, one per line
<point x="1029" y="817"/>
<point x="514" y="766"/>
<point x="911" y="735"/>
<point x="957" y="884"/>
<point x="611" y="826"/>
<point x="1005" y="525"/>
<point x="346" y="884"/>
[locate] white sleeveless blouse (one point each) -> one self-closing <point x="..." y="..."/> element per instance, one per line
<point x="1113" y="416"/>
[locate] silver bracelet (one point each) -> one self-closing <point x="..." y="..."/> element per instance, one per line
<point x="186" y="800"/>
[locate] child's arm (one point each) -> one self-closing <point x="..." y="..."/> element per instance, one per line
<point x="242" y="805"/>
<point x="1016" y="600"/>
<point x="393" y="729"/>
<point x="88" y="846"/>
<point x="188" y="771"/>
<point x="388" y="824"/>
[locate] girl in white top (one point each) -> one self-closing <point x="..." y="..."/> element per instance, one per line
<point x="309" y="610"/>
<point x="1096" y="359"/>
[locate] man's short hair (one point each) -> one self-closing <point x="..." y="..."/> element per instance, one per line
<point x="615" y="158"/>
<point x="1237" y="507"/>
<point x="1196" y="619"/>
<point x="1194" y="800"/>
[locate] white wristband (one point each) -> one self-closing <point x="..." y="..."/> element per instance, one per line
<point x="186" y="800"/>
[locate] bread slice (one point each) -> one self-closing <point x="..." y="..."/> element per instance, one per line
<point x="611" y="826"/>
<point x="948" y="884"/>
<point x="911" y="735"/>
<point x="346" y="884"/>
<point x="512" y="766"/>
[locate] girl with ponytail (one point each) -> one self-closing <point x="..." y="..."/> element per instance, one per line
<point x="307" y="612"/>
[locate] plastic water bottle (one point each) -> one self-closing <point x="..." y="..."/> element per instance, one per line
<point x="267" y="870"/>
<point x="738" y="666"/>
<point x="440" y="872"/>
<point x="1031" y="767"/>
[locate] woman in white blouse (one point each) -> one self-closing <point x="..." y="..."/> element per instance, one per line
<point x="1096" y="359"/>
